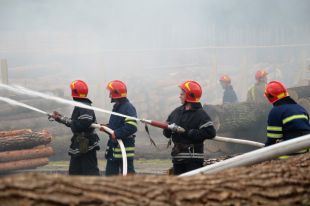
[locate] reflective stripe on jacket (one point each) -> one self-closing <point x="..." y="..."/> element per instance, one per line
<point x="286" y="120"/>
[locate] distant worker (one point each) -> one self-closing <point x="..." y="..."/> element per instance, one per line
<point x="287" y="119"/>
<point x="124" y="129"/>
<point x="229" y="95"/>
<point x="188" y="150"/>
<point x="256" y="92"/>
<point x="85" y="141"/>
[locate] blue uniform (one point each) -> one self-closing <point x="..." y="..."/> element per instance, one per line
<point x="286" y="120"/>
<point x="229" y="95"/>
<point x="124" y="129"/>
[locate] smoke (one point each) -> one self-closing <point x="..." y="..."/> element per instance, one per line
<point x="153" y="45"/>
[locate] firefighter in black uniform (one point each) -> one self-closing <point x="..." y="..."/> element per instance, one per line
<point x="124" y="129"/>
<point x="188" y="150"/>
<point x="85" y="142"/>
<point x="229" y="95"/>
<point x="287" y="119"/>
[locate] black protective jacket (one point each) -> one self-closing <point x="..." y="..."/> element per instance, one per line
<point x="198" y="126"/>
<point x="81" y="119"/>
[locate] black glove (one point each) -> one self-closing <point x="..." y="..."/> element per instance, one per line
<point x="193" y="133"/>
<point x="167" y="133"/>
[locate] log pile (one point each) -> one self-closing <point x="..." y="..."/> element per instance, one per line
<point x="278" y="182"/>
<point x="24" y="149"/>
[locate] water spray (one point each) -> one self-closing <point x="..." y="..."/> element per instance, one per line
<point x="163" y="125"/>
<point x="23" y="90"/>
<point x="13" y="102"/>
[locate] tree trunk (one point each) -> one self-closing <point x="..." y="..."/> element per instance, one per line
<point x="241" y="116"/>
<point x="305" y="102"/>
<point x="302" y="91"/>
<point x="278" y="182"/>
<point x="15" y="132"/>
<point x="23" y="164"/>
<point x="24" y="140"/>
<point x="37" y="152"/>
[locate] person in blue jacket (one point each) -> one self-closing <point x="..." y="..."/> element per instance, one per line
<point x="287" y="119"/>
<point x="124" y="129"/>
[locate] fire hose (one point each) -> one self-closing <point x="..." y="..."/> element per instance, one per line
<point x="162" y="125"/>
<point x="175" y="128"/>
<point x="109" y="131"/>
<point x="120" y="143"/>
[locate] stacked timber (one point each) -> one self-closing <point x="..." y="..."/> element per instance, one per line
<point x="24" y="149"/>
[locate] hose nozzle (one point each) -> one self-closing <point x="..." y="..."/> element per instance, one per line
<point x="175" y="128"/>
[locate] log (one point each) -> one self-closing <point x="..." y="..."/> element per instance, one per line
<point x="211" y="146"/>
<point x="24" y="141"/>
<point x="302" y="91"/>
<point x="37" y="152"/>
<point x="23" y="164"/>
<point x="278" y="182"/>
<point x="305" y="102"/>
<point x="15" y="132"/>
<point x="239" y="116"/>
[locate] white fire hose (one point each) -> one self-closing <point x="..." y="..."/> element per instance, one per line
<point x="256" y="156"/>
<point x="238" y="141"/>
<point x="121" y="145"/>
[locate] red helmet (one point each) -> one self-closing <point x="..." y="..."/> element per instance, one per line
<point x="260" y="75"/>
<point x="117" y="89"/>
<point x="192" y="90"/>
<point x="275" y="91"/>
<point x="225" y="78"/>
<point x="79" y="89"/>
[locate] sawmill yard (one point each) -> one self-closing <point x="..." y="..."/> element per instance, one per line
<point x="240" y="59"/>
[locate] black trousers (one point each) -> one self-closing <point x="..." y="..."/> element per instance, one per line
<point x="186" y="166"/>
<point x="84" y="164"/>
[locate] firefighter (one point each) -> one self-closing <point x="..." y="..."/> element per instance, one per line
<point x="124" y="129"/>
<point x="188" y="150"/>
<point x="229" y="95"/>
<point x="85" y="141"/>
<point x="287" y="119"/>
<point x="256" y="92"/>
